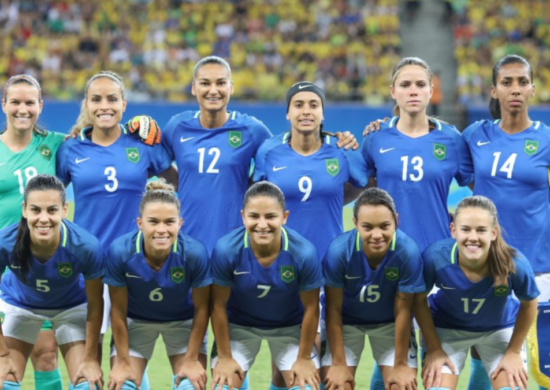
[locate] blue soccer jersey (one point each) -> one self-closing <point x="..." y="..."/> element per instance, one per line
<point x="369" y="295"/>
<point x="465" y="305"/>
<point x="313" y="185"/>
<point x="266" y="298"/>
<point x="417" y="172"/>
<point x="59" y="282"/>
<point x="108" y="181"/>
<point x="213" y="167"/>
<point x="158" y="296"/>
<point x="512" y="170"/>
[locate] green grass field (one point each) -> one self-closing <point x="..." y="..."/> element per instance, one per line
<point x="160" y="374"/>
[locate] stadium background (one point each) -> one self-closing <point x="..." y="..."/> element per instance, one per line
<point x="348" y="47"/>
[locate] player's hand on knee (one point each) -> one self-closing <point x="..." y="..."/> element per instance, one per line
<point x="337" y="377"/>
<point x="402" y="378"/>
<point x="223" y="373"/>
<point x="432" y="368"/>
<point x="8" y="369"/>
<point x="194" y="372"/>
<point x="374" y="126"/>
<point x="303" y="372"/>
<point x="511" y="365"/>
<point x="146" y="127"/>
<point x="89" y="371"/>
<point x="122" y="372"/>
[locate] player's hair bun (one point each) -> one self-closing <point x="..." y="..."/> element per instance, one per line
<point x="160" y="184"/>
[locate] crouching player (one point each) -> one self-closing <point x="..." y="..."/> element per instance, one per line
<point x="266" y="287"/>
<point x="150" y="273"/>
<point x="56" y="270"/>
<point x="371" y="274"/>
<point x="476" y="272"/>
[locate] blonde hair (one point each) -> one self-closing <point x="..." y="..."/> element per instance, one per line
<point x="84" y="119"/>
<point x="402" y="64"/>
<point x="159" y="191"/>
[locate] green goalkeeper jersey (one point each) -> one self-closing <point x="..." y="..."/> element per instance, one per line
<point x="16" y="168"/>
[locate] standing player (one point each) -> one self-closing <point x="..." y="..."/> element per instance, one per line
<point x="511" y="158"/>
<point x="56" y="269"/>
<point x="25" y="151"/>
<point x="266" y="286"/>
<point x="371" y="273"/>
<point x="108" y="168"/>
<point x="476" y="272"/>
<point x="150" y="273"/>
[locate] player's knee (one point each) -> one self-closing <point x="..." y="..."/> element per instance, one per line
<point x="9" y="385"/>
<point x="128" y="386"/>
<point x="306" y="387"/>
<point x="84" y="386"/>
<point x="185" y="384"/>
<point x="44" y="355"/>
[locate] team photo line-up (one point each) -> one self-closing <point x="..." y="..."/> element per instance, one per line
<point x="262" y="254"/>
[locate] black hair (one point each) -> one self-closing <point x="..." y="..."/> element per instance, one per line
<point x="159" y="191"/>
<point x="265" y="188"/>
<point x="375" y="197"/>
<point x="22" y="249"/>
<point x="494" y="104"/>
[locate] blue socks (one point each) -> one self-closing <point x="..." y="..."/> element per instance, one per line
<point x="225" y="387"/>
<point x="245" y="386"/>
<point x="306" y="387"/>
<point x="9" y="385"/>
<point x="185" y="384"/>
<point x="81" y="386"/>
<point x="128" y="386"/>
<point x="145" y="380"/>
<point x="377" y="381"/>
<point x="48" y="380"/>
<point x="479" y="380"/>
<point x="273" y="387"/>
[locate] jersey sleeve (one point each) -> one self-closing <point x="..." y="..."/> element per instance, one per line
<point x="199" y="265"/>
<point x="358" y="175"/>
<point x="367" y="156"/>
<point x="259" y="132"/>
<point x="114" y="270"/>
<point x="94" y="267"/>
<point x="167" y="135"/>
<point x="160" y="159"/>
<point x="334" y="264"/>
<point x="411" y="280"/>
<point x="465" y="173"/>
<point x="523" y="280"/>
<point x="62" y="162"/>
<point x="222" y="266"/>
<point x="259" y="161"/>
<point x="310" y="272"/>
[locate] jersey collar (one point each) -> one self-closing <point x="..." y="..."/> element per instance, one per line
<point x="454" y="251"/>
<point x="284" y="238"/>
<point x="287" y="136"/>
<point x="63" y="235"/>
<point x="437" y="123"/>
<point x="139" y="243"/>
<point x="535" y="125"/>
<point x="232" y="115"/>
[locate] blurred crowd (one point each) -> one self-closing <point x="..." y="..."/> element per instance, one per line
<point x="487" y="30"/>
<point x="348" y="47"/>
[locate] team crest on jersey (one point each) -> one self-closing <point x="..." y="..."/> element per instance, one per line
<point x="132" y="154"/>
<point x="45" y="152"/>
<point x="392" y="273"/>
<point x="235" y="138"/>
<point x="177" y="274"/>
<point x="65" y="269"/>
<point x="333" y="166"/>
<point x="287" y="273"/>
<point x="440" y="151"/>
<point x="501" y="291"/>
<point x="531" y="147"/>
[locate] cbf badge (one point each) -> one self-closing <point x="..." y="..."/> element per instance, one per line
<point x="501" y="291"/>
<point x="440" y="152"/>
<point x="287" y="273"/>
<point x="392" y="273"/>
<point x="333" y="166"/>
<point x="235" y="139"/>
<point x="45" y="152"/>
<point x="132" y="154"/>
<point x="65" y="270"/>
<point x="531" y="147"/>
<point x="177" y="274"/>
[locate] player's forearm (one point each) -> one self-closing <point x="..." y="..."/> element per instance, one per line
<point x="425" y="321"/>
<point x="119" y="326"/>
<point x="198" y="330"/>
<point x="220" y="327"/>
<point x="310" y="322"/>
<point x="526" y="315"/>
<point x="335" y="334"/>
<point x="403" y="325"/>
<point x="93" y="328"/>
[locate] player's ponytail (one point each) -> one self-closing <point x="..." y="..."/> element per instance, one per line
<point x="158" y="191"/>
<point x="494" y="104"/>
<point x="265" y="188"/>
<point x="21" y="254"/>
<point x="375" y="197"/>
<point x="501" y="255"/>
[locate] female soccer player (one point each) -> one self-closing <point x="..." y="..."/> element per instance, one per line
<point x="476" y="272"/>
<point x="371" y="274"/>
<point x="26" y="149"/>
<point x="266" y="286"/>
<point x="310" y="170"/>
<point x="150" y="273"/>
<point x="56" y="269"/>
